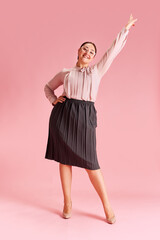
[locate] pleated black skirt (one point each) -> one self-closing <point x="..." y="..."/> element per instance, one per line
<point x="72" y="134"/>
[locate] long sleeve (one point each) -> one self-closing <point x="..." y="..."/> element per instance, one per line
<point x="116" y="46"/>
<point x="53" y="84"/>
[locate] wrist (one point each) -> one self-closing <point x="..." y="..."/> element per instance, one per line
<point x="126" y="27"/>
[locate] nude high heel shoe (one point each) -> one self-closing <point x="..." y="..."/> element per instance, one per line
<point x="111" y="220"/>
<point x="68" y="213"/>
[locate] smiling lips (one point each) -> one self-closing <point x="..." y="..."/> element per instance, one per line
<point x="86" y="56"/>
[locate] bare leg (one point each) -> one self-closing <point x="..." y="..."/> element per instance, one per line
<point x="97" y="181"/>
<point x="66" y="180"/>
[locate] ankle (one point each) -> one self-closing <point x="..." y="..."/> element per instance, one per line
<point x="68" y="203"/>
<point x="107" y="206"/>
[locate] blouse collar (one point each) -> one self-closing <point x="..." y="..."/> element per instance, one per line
<point x="83" y="69"/>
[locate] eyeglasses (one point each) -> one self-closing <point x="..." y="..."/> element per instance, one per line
<point x="92" y="53"/>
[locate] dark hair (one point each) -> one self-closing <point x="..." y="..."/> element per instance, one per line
<point x="92" y="44"/>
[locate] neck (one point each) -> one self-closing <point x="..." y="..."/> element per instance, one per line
<point x="78" y="64"/>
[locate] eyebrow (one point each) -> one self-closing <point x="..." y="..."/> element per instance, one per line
<point x="91" y="49"/>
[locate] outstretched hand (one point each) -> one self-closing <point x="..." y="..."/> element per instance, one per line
<point x="130" y="22"/>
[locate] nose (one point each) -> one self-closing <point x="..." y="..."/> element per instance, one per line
<point x="87" y="50"/>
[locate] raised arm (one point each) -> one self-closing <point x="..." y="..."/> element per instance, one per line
<point x="116" y="46"/>
<point x="54" y="83"/>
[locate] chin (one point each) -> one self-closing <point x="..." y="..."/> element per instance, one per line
<point x="85" y="61"/>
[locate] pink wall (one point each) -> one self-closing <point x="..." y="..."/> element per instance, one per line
<point x="39" y="38"/>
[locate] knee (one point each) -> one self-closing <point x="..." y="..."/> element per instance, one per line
<point x="90" y="171"/>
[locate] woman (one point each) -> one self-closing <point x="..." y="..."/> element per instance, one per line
<point x="73" y="120"/>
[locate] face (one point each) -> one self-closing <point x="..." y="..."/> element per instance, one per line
<point x="86" y="53"/>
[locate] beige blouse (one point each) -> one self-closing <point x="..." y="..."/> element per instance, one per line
<point x="82" y="83"/>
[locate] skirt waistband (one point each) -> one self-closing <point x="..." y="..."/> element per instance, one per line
<point x="78" y="100"/>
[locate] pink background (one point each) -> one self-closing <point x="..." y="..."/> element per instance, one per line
<point x="38" y="39"/>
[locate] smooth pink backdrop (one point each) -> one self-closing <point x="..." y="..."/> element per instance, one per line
<point x="38" y="39"/>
